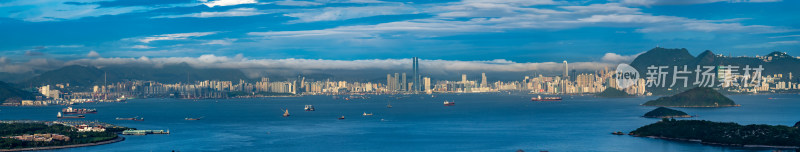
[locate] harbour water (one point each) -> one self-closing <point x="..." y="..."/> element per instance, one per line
<point x="477" y="122"/>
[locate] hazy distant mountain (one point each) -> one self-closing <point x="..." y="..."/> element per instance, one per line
<point x="781" y="63"/>
<point x="77" y="75"/>
<point x="9" y="91"/>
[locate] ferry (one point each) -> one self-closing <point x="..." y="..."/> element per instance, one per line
<point x="341" y="118"/>
<point x="286" y="113"/>
<point x="449" y="103"/>
<point x="134" y="119"/>
<point x="70" y="110"/>
<point x="309" y="108"/>
<point x="539" y="98"/>
<point x="367" y="114"/>
<point x="187" y="118"/>
<point x="59" y="116"/>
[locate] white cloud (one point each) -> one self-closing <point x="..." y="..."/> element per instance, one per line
<point x="297" y="3"/>
<point x="687" y="2"/>
<point x="93" y="54"/>
<point x="41" y="11"/>
<point x="141" y="47"/>
<point x="220" y="42"/>
<point x="616" y="58"/>
<point x="214" y="3"/>
<point x="344" y="13"/>
<point x="229" y="13"/>
<point x="239" y="62"/>
<point x="176" y="36"/>
<point x="499" y="16"/>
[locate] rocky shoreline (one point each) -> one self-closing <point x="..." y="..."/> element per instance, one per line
<point x="723" y="144"/>
<point x="117" y="139"/>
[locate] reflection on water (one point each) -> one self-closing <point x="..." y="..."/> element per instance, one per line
<point x="479" y="122"/>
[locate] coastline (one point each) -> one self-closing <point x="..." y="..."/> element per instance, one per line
<point x="722" y="144"/>
<point x="117" y="139"/>
<point x="737" y="105"/>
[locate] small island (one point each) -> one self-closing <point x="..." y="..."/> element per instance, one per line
<point x="722" y="133"/>
<point x="613" y="93"/>
<point x="42" y="135"/>
<point x="662" y="112"/>
<point x="695" y="97"/>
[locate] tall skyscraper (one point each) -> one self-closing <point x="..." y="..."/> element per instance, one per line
<point x="483" y="80"/>
<point x="464" y="78"/>
<point x="427" y="86"/>
<point x="404" y="83"/>
<point x="566" y="70"/>
<point x="389" y="82"/>
<point x="395" y="83"/>
<point x="416" y="77"/>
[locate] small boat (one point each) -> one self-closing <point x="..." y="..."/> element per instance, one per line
<point x="187" y="118"/>
<point x="389" y="105"/>
<point x="341" y="118"/>
<point x="449" y="103"/>
<point x="367" y="114"/>
<point x="617" y="133"/>
<point x="286" y="113"/>
<point x="309" y="108"/>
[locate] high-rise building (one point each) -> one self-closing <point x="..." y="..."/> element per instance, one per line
<point x="464" y="78"/>
<point x="427" y="86"/>
<point x="416" y="77"/>
<point x="566" y="70"/>
<point x="395" y="83"/>
<point x="404" y="83"/>
<point x="389" y="82"/>
<point x="483" y="80"/>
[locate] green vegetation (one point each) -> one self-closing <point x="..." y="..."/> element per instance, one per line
<point x="7" y="91"/>
<point x="15" y="129"/>
<point x="695" y="97"/>
<point x="797" y="125"/>
<point x="722" y="133"/>
<point x="613" y="93"/>
<point x="662" y="112"/>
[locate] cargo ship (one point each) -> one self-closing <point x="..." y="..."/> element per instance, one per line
<point x="187" y="118"/>
<point x="70" y="110"/>
<point x="134" y="119"/>
<point x="539" y="98"/>
<point x="69" y="117"/>
<point x="367" y="114"/>
<point x="341" y="118"/>
<point x="449" y="103"/>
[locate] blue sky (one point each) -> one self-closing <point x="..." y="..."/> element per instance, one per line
<point x="43" y="33"/>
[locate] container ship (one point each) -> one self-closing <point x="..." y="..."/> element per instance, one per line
<point x="539" y="98"/>
<point x="70" y="110"/>
<point x="449" y="103"/>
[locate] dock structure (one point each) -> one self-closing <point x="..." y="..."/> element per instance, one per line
<point x="144" y="132"/>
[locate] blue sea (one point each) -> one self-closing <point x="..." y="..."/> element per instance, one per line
<point x="477" y="122"/>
